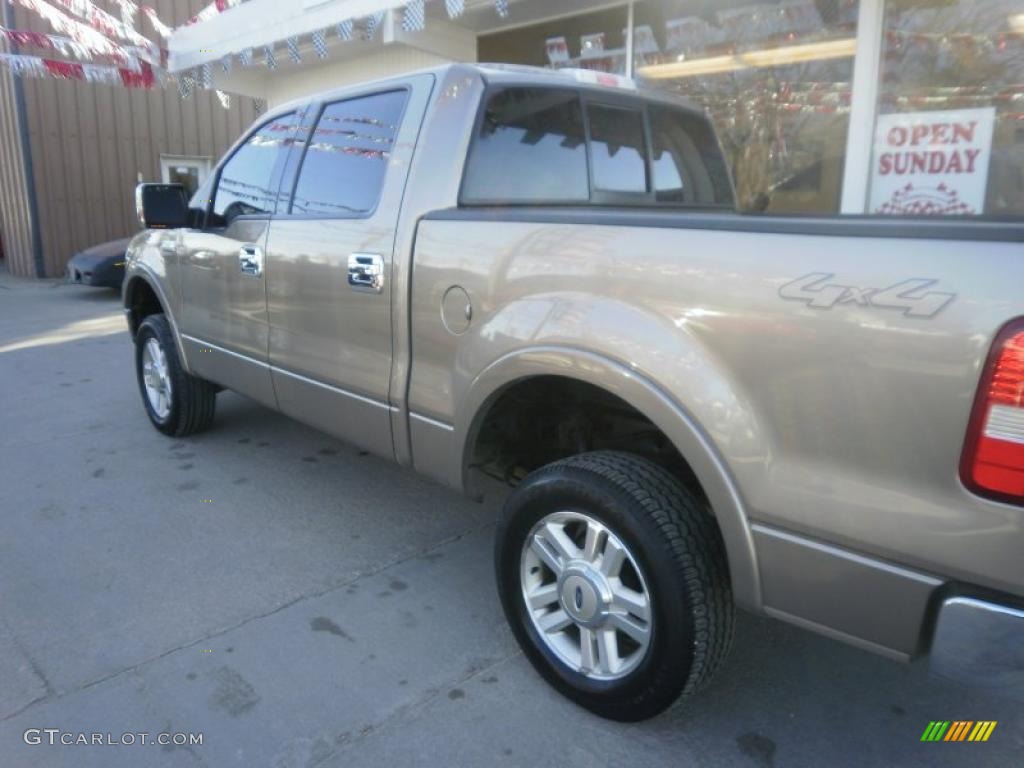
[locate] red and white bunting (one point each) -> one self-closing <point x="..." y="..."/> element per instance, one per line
<point x="76" y="30"/>
<point x="35" y="66"/>
<point x="211" y="10"/>
<point x="161" y="29"/>
<point x="128" y="11"/>
<point x="104" y="22"/>
<point x="65" y="46"/>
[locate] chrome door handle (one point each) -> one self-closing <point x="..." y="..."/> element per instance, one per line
<point x="366" y="272"/>
<point x="250" y="259"/>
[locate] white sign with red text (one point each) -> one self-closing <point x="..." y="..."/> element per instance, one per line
<point x="932" y="162"/>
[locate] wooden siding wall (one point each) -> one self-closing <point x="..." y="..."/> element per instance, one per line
<point x="15" y="232"/>
<point x="91" y="143"/>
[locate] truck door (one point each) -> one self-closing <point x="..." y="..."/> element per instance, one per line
<point x="223" y="270"/>
<point x="329" y="259"/>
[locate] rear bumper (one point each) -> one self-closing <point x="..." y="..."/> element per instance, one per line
<point x="981" y="644"/>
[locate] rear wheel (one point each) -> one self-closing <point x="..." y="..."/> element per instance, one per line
<point x="176" y="402"/>
<point x="613" y="577"/>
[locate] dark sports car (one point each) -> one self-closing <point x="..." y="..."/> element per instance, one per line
<point x="101" y="266"/>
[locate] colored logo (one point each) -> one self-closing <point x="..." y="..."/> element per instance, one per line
<point x="958" y="730"/>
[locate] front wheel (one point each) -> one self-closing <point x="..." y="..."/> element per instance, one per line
<point x="176" y="402"/>
<point x="613" y="577"/>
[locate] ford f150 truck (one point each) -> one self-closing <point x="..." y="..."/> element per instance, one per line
<point x="499" y="273"/>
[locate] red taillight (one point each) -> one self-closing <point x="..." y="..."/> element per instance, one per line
<point x="993" y="458"/>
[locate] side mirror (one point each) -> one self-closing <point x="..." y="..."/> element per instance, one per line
<point x="161" y="206"/>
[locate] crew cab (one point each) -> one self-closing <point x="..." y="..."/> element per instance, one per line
<point x="536" y="278"/>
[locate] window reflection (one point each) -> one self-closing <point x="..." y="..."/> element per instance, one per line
<point x="531" y="148"/>
<point x="245" y="182"/>
<point x="346" y="159"/>
<point x="775" y="77"/>
<point x="617" y="149"/>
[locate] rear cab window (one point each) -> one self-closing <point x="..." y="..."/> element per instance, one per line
<point x="618" y="150"/>
<point x="530" y="147"/>
<point x="551" y="146"/>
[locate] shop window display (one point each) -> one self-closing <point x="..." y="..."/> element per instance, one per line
<point x="776" y="79"/>
<point x="949" y="137"/>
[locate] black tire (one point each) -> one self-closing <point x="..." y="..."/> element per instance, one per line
<point x="678" y="547"/>
<point x="192" y="401"/>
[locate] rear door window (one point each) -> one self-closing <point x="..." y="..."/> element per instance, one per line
<point x="530" y="148"/>
<point x="346" y="158"/>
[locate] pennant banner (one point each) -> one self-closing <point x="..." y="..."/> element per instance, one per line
<point x="345" y="30"/>
<point x="77" y="31"/>
<point x="293" y="50"/>
<point x="34" y="66"/>
<point x="161" y="29"/>
<point x="62" y="45"/>
<point x="319" y="39"/>
<point x="104" y="22"/>
<point x="185" y="84"/>
<point x="455" y="8"/>
<point x="415" y="18"/>
<point x="371" y="24"/>
<point x="218" y="6"/>
<point x="23" y="66"/>
<point x="91" y="39"/>
<point x="128" y="11"/>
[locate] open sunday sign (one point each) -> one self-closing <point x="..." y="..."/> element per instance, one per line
<point x="932" y="162"/>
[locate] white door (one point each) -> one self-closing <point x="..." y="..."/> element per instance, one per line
<point x="181" y="169"/>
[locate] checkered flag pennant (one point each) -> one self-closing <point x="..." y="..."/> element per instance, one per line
<point x="372" y="22"/>
<point x="345" y="30"/>
<point x="320" y="43"/>
<point x="501" y="6"/>
<point x="292" y="43"/>
<point x="206" y="76"/>
<point x="271" y="59"/>
<point x="225" y="64"/>
<point x="224" y="99"/>
<point x="245" y="57"/>
<point x="415" y="17"/>
<point x="185" y="84"/>
<point x="455" y="8"/>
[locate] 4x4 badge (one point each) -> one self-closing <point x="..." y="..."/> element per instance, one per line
<point x="910" y="296"/>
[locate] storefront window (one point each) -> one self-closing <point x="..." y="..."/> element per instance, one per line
<point x="949" y="138"/>
<point x="775" y="77"/>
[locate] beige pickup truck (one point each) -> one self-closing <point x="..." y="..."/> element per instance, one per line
<point x="508" y="274"/>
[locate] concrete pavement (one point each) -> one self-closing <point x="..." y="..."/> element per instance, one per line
<point x="300" y="603"/>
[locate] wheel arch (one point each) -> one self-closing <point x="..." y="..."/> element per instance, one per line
<point x="639" y="392"/>
<point x="143" y="296"/>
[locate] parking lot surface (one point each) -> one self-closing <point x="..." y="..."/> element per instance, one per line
<point x="300" y="603"/>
